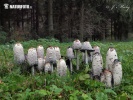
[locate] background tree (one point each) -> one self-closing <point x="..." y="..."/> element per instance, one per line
<point x="67" y="20"/>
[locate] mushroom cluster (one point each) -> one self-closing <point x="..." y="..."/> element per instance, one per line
<point x="110" y="76"/>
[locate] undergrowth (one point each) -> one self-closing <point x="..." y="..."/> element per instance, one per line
<point x="76" y="86"/>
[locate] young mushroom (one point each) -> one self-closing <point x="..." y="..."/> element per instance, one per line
<point x="51" y="56"/>
<point x="86" y="47"/>
<point x="96" y="49"/>
<point x="61" y="67"/>
<point x="117" y="72"/>
<point x="106" y="78"/>
<point x="57" y="51"/>
<point x="32" y="59"/>
<point x="40" y="51"/>
<point x="47" y="68"/>
<point x="19" y="56"/>
<point x="110" y="57"/>
<point x="77" y="46"/>
<point x="40" y="66"/>
<point x="70" y="56"/>
<point x="97" y="64"/>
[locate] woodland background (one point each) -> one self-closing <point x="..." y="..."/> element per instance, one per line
<point x="67" y="20"/>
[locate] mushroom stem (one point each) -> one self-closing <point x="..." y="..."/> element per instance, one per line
<point x="33" y="70"/>
<point x="86" y="57"/>
<point x="77" y="60"/>
<point x="71" y="68"/>
<point x="51" y="67"/>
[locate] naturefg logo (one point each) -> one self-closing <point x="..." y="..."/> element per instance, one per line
<point x="17" y="6"/>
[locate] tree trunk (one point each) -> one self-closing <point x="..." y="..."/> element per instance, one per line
<point x="22" y="19"/>
<point x="82" y="21"/>
<point x="50" y="16"/>
<point x="111" y="29"/>
<point x="37" y="23"/>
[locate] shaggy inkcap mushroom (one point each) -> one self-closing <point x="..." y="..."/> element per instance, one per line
<point x="77" y="46"/>
<point x="57" y="51"/>
<point x="70" y="53"/>
<point x="70" y="56"/>
<point x="19" y="56"/>
<point x="86" y="47"/>
<point x="47" y="67"/>
<point x="110" y="57"/>
<point x="96" y="49"/>
<point x="32" y="58"/>
<point x="97" y="64"/>
<point x="106" y="78"/>
<point x="51" y="56"/>
<point x="117" y="72"/>
<point x="40" y="51"/>
<point x="61" y="67"/>
<point x="41" y="62"/>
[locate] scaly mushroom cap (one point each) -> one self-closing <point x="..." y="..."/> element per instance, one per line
<point x="61" y="67"/>
<point x="96" y="49"/>
<point x="40" y="51"/>
<point x="70" y="53"/>
<point x="97" y="64"/>
<point x="41" y="62"/>
<point x="32" y="56"/>
<point x="110" y="57"/>
<point x="77" y="45"/>
<point x="51" y="55"/>
<point x="117" y="72"/>
<point x="57" y="51"/>
<point x="47" y="67"/>
<point x="18" y="50"/>
<point x="86" y="46"/>
<point x="106" y="77"/>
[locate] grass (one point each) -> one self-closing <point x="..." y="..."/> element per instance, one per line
<point x="78" y="86"/>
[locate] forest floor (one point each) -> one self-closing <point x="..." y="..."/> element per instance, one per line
<point x="77" y="86"/>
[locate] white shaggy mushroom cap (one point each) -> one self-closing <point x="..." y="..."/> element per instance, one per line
<point x="18" y="50"/>
<point x="106" y="78"/>
<point x="110" y="57"/>
<point x="117" y="72"/>
<point x="97" y="64"/>
<point x="57" y="51"/>
<point x="41" y="62"/>
<point x="32" y="56"/>
<point x="97" y="49"/>
<point x="61" y="67"/>
<point x="40" y="51"/>
<point x="51" y="55"/>
<point x="86" y="46"/>
<point x="70" y="53"/>
<point x="77" y="44"/>
<point x="47" y="67"/>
